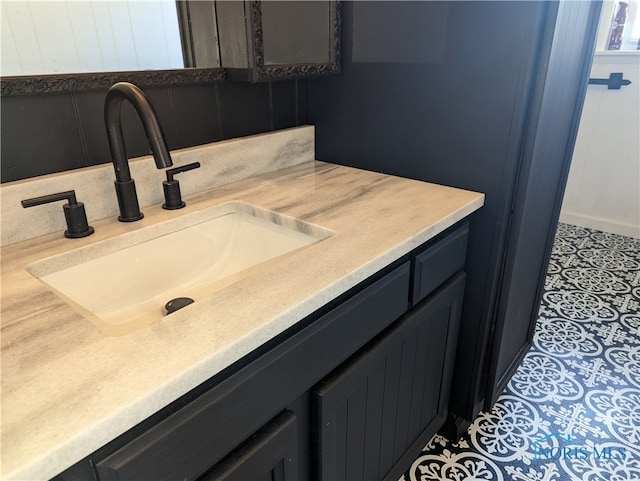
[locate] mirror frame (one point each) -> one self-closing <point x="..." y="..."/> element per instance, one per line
<point x="78" y="82"/>
<point x="59" y="83"/>
<point x="262" y="72"/>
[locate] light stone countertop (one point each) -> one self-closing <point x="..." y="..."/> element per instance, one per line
<point x="68" y="388"/>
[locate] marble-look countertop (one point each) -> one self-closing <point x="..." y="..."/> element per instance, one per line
<point x="221" y="162"/>
<point x="68" y="388"/>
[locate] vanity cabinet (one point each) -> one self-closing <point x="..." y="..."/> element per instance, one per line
<point x="351" y="392"/>
<point x="378" y="410"/>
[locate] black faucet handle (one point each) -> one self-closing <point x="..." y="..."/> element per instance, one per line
<point x="74" y="212"/>
<point x="180" y="169"/>
<point x="172" y="196"/>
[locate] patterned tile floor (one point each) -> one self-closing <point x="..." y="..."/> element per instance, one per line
<point x="571" y="412"/>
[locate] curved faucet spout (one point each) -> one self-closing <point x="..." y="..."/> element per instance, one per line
<point x="125" y="187"/>
<point x="112" y="118"/>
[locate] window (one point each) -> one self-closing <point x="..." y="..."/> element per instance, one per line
<point x="614" y="12"/>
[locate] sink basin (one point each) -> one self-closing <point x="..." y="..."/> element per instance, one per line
<point x="124" y="283"/>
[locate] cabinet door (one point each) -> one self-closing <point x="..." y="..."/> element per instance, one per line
<point x="270" y="455"/>
<point x="376" y="412"/>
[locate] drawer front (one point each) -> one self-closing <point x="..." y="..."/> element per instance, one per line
<point x="272" y="453"/>
<point x="190" y="441"/>
<point x="439" y="262"/>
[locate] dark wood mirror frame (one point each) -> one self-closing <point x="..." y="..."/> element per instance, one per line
<point x="44" y="84"/>
<point x="58" y="83"/>
<point x="264" y="72"/>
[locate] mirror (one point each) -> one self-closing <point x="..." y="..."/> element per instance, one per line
<point x="58" y="46"/>
<point x="277" y="40"/>
<point x="307" y="27"/>
<point x="55" y="46"/>
<point x="59" y="37"/>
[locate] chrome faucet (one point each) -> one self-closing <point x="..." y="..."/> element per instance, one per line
<point x="125" y="186"/>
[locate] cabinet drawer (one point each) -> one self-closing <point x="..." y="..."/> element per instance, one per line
<point x="439" y="262"/>
<point x="272" y="453"/>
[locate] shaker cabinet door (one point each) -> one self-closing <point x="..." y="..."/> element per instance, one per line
<point x="376" y="412"/>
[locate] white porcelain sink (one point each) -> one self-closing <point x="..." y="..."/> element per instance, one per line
<point x="124" y="283"/>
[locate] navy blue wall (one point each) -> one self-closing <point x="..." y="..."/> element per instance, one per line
<point x="48" y="133"/>
<point x="454" y="116"/>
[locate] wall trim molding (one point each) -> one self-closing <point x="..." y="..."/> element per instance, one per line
<point x="605" y="225"/>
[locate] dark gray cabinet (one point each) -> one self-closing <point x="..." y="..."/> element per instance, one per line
<point x="269" y="455"/>
<point x="266" y="416"/>
<point x="379" y="408"/>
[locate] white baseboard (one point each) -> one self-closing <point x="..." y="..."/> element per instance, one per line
<point x="605" y="225"/>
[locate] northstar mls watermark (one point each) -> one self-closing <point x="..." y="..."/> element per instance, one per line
<point x="554" y="446"/>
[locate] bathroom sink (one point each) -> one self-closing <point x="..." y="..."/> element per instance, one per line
<point x="124" y="283"/>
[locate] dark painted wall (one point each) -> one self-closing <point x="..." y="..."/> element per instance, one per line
<point x="49" y="133"/>
<point x="453" y="114"/>
<point x="480" y="95"/>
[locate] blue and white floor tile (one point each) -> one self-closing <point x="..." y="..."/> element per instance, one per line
<point x="571" y="412"/>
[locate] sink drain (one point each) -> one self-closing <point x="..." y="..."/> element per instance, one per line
<point x="178" y="303"/>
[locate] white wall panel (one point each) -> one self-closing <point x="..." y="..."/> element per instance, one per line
<point x="603" y="189"/>
<point x="52" y="25"/>
<point x="172" y="37"/>
<point x="9" y="52"/>
<point x="40" y="37"/>
<point x="123" y="35"/>
<point x="18" y="15"/>
<point x="106" y="40"/>
<point x="150" y="43"/>
<point x="85" y="35"/>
